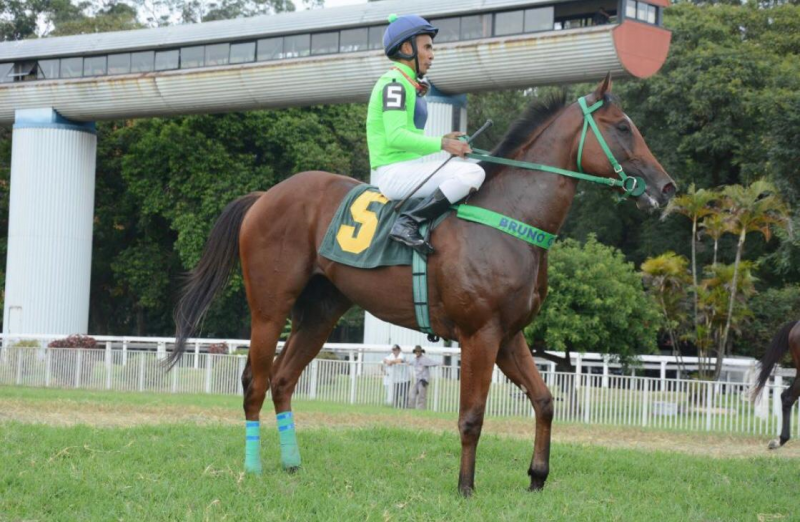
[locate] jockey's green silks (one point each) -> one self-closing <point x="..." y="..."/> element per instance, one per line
<point x="392" y="135"/>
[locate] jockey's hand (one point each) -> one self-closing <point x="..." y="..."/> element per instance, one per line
<point x="455" y="147"/>
<point x="454" y="135"/>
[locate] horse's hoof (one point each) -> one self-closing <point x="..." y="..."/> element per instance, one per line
<point x="774" y="444"/>
<point x="536" y="485"/>
<point x="466" y="491"/>
<point x="291" y="470"/>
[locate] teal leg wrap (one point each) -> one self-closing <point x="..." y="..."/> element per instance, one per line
<point x="290" y="452"/>
<point x="252" y="447"/>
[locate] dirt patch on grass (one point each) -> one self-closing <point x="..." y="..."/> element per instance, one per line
<point x="69" y="413"/>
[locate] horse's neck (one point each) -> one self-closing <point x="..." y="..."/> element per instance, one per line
<point x="538" y="198"/>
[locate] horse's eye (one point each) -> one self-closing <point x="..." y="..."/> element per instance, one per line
<point x="623" y="127"/>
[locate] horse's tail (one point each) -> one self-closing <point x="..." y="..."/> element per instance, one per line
<point x="211" y="274"/>
<point x="776" y="351"/>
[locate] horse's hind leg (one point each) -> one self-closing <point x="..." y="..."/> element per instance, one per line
<point x="788" y="398"/>
<point x="515" y="360"/>
<point x="314" y="316"/>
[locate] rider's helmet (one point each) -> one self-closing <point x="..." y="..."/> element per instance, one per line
<point x="402" y="28"/>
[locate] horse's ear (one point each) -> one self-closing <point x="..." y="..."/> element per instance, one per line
<point x="602" y="88"/>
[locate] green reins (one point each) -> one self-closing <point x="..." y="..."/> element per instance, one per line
<point x="632" y="185"/>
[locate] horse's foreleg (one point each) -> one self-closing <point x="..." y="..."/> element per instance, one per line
<point x="477" y="362"/>
<point x="313" y="318"/>
<point x="788" y="398"/>
<point x="515" y="360"/>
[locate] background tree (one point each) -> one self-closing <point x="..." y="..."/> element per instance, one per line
<point x="596" y="303"/>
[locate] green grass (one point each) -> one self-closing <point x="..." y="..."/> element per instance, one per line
<point x="189" y="472"/>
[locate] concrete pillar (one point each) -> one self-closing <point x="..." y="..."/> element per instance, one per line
<point x="48" y="265"/>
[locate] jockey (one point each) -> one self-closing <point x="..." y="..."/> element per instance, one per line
<point x="395" y="121"/>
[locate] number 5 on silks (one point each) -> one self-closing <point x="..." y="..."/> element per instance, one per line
<point x="347" y="238"/>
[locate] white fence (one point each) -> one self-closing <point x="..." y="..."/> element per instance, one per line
<point x="579" y="397"/>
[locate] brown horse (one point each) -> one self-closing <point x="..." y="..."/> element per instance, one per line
<point x="786" y="340"/>
<point x="483" y="286"/>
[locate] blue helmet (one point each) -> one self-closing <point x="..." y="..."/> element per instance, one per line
<point x="400" y="29"/>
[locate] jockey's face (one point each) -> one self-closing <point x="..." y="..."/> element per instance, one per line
<point x="424" y="53"/>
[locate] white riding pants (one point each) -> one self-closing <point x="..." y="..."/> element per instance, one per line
<point x="455" y="179"/>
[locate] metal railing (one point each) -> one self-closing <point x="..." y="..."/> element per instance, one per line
<point x="585" y="398"/>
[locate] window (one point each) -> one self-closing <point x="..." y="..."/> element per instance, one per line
<point x="540" y="19"/>
<point x="630" y="9"/>
<point x="243" y="52"/>
<point x="190" y="57"/>
<point x="376" y="37"/>
<point x="71" y="67"/>
<point x="324" y="43"/>
<point x="24" y="71"/>
<point x="508" y="23"/>
<point x="5" y="72"/>
<point x="297" y="45"/>
<point x="166" y="60"/>
<point x="270" y="49"/>
<point x="352" y="40"/>
<point x="217" y="54"/>
<point x="142" y="62"/>
<point x="641" y="11"/>
<point x="119" y="63"/>
<point x="49" y="68"/>
<point x="449" y="29"/>
<point x="652" y="14"/>
<point x="478" y="26"/>
<point x="94" y="66"/>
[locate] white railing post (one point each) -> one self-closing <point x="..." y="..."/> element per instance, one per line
<point x="777" y="389"/>
<point x="142" y="357"/>
<point x="174" y="372"/>
<point x="124" y="353"/>
<point x="78" y="363"/>
<point x="209" y="357"/>
<point x="645" y="399"/>
<point x="605" y="371"/>
<point x="242" y="363"/>
<point x="196" y="354"/>
<point x="108" y="365"/>
<point x="312" y="389"/>
<point x="708" y="405"/>
<point x="19" y="365"/>
<point x="586" y="397"/>
<point x="161" y="351"/>
<point x="578" y="370"/>
<point x="47" y="366"/>
<point x="436" y="383"/>
<point x="352" y="378"/>
<point x="551" y="372"/>
<point x="663" y="375"/>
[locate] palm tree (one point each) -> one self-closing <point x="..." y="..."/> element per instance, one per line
<point x="715" y="292"/>
<point x="755" y="208"/>
<point x="667" y="276"/>
<point x="695" y="205"/>
<point x="714" y="225"/>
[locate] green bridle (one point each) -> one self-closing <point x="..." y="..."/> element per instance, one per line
<point x="632" y="185"/>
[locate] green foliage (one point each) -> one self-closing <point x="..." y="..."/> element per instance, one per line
<point x="770" y="310"/>
<point x="596" y="303"/>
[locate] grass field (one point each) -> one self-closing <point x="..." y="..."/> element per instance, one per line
<point x="77" y="455"/>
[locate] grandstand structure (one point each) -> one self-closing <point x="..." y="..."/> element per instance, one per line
<point x="53" y="90"/>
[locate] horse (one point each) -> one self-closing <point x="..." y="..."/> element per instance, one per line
<point x="484" y="287"/>
<point x="786" y="340"/>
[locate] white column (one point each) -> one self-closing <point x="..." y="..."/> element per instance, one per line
<point x="48" y="265"/>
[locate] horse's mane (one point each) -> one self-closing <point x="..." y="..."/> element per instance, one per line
<point x="538" y="113"/>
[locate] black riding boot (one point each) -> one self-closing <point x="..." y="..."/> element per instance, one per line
<point x="406" y="226"/>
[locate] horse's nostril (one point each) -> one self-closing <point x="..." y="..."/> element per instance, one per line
<point x="668" y="190"/>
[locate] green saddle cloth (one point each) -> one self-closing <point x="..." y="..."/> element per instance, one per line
<point x="359" y="232"/>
